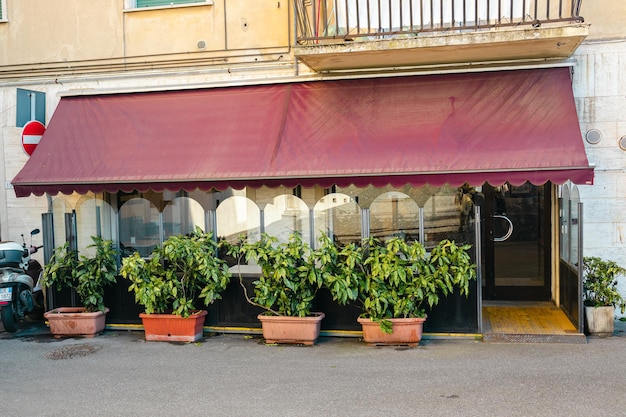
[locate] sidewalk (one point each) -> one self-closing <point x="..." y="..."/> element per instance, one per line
<point x="120" y="374"/>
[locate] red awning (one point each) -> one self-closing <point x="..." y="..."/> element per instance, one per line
<point x="491" y="127"/>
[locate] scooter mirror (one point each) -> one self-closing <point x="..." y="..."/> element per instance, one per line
<point x="34" y="232"/>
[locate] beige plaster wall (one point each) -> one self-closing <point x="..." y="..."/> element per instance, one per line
<point x="606" y="18"/>
<point x="61" y="30"/>
<point x="257" y="24"/>
<point x="175" y="30"/>
<point x="65" y="31"/>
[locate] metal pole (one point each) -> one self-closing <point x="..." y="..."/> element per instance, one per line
<point x="365" y="223"/>
<point x="311" y="228"/>
<point x="422" y="234"/>
<point x="479" y="268"/>
<point x="262" y="219"/>
<point x="581" y="326"/>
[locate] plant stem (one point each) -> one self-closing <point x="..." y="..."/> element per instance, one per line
<point x="245" y="290"/>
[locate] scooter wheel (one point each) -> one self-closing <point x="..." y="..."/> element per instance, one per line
<point x="8" y="319"/>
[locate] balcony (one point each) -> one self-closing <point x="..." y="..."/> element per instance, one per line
<point x="347" y="35"/>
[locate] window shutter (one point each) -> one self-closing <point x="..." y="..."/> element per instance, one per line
<point x="23" y="107"/>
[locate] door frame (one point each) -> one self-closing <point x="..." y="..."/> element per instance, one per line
<point x="570" y="271"/>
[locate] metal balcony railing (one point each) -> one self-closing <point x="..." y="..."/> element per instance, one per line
<point x="321" y="21"/>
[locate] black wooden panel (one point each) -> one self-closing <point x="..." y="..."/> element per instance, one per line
<point x="121" y="303"/>
<point x="454" y="314"/>
<point x="233" y="309"/>
<point x="337" y="317"/>
<point x="569" y="291"/>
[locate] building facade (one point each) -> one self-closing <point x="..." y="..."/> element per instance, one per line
<point x="354" y="118"/>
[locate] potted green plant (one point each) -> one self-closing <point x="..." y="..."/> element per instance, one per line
<point x="285" y="289"/>
<point x="600" y="295"/>
<point x="179" y="273"/>
<point x="394" y="281"/>
<point x="87" y="276"/>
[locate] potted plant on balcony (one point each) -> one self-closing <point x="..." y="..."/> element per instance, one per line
<point x="285" y="288"/>
<point x="601" y="295"/>
<point x="168" y="285"/>
<point x="394" y="281"/>
<point x="87" y="276"/>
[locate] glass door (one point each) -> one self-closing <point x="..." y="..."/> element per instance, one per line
<point x="516" y="242"/>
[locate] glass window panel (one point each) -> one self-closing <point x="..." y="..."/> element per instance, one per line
<point x="181" y="217"/>
<point x="394" y="214"/>
<point x="238" y="216"/>
<point x="574" y="226"/>
<point x="60" y="207"/>
<point x="519" y="245"/>
<point x="565" y="220"/>
<point x="139" y="227"/>
<point x="287" y="214"/>
<point x="338" y="216"/>
<point x="94" y="217"/>
<point x="448" y="215"/>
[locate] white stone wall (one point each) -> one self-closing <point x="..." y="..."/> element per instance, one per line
<point x="600" y="90"/>
<point x="16" y="216"/>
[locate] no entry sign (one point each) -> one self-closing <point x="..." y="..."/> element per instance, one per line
<point x="32" y="133"/>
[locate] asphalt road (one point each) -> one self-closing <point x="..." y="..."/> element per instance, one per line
<point x="120" y="374"/>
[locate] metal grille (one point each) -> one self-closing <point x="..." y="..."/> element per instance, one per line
<point x="320" y="20"/>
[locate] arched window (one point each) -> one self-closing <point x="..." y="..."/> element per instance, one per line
<point x="94" y="217"/>
<point x="237" y="216"/>
<point x="139" y="227"/>
<point x="181" y="216"/>
<point x="285" y="215"/>
<point x="338" y="216"/>
<point x="394" y="214"/>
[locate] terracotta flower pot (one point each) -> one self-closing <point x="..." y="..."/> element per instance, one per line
<point x="405" y="331"/>
<point x="293" y="330"/>
<point x="173" y="328"/>
<point x="73" y="321"/>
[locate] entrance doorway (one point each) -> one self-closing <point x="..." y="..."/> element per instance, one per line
<point x="517" y="301"/>
<point x="516" y="244"/>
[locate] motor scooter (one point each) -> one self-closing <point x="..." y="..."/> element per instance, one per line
<point x="21" y="294"/>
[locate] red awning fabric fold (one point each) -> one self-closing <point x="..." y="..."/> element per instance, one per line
<point x="493" y="127"/>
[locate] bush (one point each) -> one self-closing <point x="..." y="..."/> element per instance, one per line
<point x="600" y="283"/>
<point x="86" y="275"/>
<point x="394" y="278"/>
<point x="178" y="272"/>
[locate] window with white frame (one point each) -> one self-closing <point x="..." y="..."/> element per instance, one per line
<point x="3" y="8"/>
<point x="140" y="4"/>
